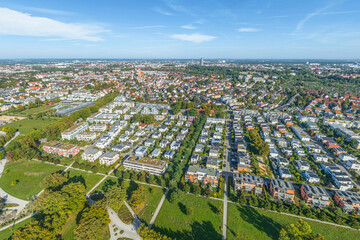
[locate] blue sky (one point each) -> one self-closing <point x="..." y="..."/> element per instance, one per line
<point x="241" y="29"/>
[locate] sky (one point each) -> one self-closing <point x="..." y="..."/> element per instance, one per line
<point x="173" y="29"/>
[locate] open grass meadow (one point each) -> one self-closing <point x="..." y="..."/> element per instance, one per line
<point x="39" y="109"/>
<point x="202" y="222"/>
<point x="27" y="125"/>
<point x="21" y="179"/>
<point x="147" y="212"/>
<point x="68" y="230"/>
<point x="250" y="223"/>
<point x="88" y="179"/>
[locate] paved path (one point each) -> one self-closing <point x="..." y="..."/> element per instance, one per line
<point x="224" y="224"/>
<point x="116" y="223"/>
<point x="96" y="185"/>
<point x="17" y="221"/>
<point x="151" y="223"/>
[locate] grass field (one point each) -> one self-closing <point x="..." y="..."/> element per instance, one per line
<point x="203" y="223"/>
<point x="27" y="125"/>
<point x="249" y="223"/>
<point x="88" y="179"/>
<point x="4" y="235"/>
<point x="36" y="110"/>
<point x="27" y="175"/>
<point x="68" y="230"/>
<point x="155" y="195"/>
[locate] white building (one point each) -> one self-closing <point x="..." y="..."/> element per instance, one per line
<point x="91" y="154"/>
<point x="109" y="158"/>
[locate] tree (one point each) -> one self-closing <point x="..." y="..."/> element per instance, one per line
<point x="196" y="189"/>
<point x="300" y="230"/>
<point x="193" y="112"/>
<point x="114" y="197"/>
<point x="33" y="231"/>
<point x="93" y="223"/>
<point x="189" y="210"/>
<point x="149" y="234"/>
<point x="54" y="180"/>
<point x="242" y="199"/>
<point x="138" y="198"/>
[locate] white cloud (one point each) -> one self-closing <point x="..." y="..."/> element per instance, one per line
<point x="163" y="12"/>
<point x="22" y="24"/>
<point x="248" y="29"/>
<point x="196" y="37"/>
<point x="301" y="24"/>
<point x="150" y="26"/>
<point x="189" y="26"/>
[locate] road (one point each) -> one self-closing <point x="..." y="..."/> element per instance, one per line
<point x="151" y="223"/>
<point x="225" y="202"/>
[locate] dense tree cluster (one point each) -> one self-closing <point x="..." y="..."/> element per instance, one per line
<point x="147" y="119"/>
<point x="257" y="145"/>
<point x="64" y="198"/>
<point x="149" y="234"/>
<point x="177" y="165"/>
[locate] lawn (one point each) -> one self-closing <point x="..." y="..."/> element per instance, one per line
<point x="27" y="125"/>
<point x="36" y="110"/>
<point x="88" y="179"/>
<point x="68" y="230"/>
<point x="25" y="177"/>
<point x="5" y="234"/>
<point x="249" y="223"/>
<point x="202" y="223"/>
<point x="155" y="195"/>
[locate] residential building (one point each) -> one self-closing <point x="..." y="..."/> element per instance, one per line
<point x="315" y="196"/>
<point x="109" y="158"/>
<point x="86" y="136"/>
<point x="141" y="151"/>
<point x="348" y="201"/>
<point x="74" y="130"/>
<point x="248" y="183"/>
<point x="152" y="166"/>
<point x="91" y="154"/>
<point x="62" y="149"/>
<point x="282" y="190"/>
<point x="197" y="173"/>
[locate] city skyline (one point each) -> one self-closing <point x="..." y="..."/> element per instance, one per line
<point x="180" y="29"/>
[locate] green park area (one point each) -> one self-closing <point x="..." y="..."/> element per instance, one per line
<point x="153" y="200"/>
<point x="190" y="217"/>
<point x="250" y="223"/>
<point x="88" y="179"/>
<point x="39" y="109"/>
<point x="27" y="125"/>
<point x="21" y="178"/>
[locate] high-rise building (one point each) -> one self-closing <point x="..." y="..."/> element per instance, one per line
<point x="201" y="62"/>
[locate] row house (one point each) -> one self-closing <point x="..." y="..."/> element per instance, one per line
<point x="197" y="173"/>
<point x="282" y="190"/>
<point x="74" y="130"/>
<point x="347" y="201"/>
<point x="248" y="183"/>
<point x="315" y="196"/>
<point x="62" y="149"/>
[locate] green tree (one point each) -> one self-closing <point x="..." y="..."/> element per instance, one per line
<point x="33" y="231"/>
